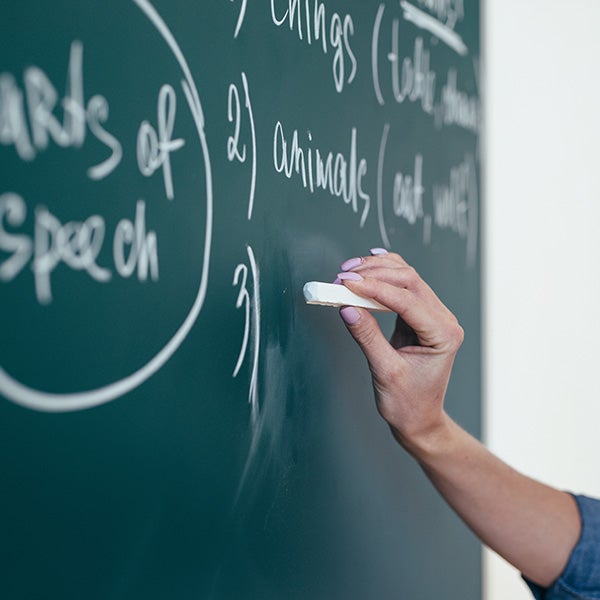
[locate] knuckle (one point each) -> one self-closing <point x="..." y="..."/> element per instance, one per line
<point x="410" y="277"/>
<point x="456" y="336"/>
<point x="374" y="287"/>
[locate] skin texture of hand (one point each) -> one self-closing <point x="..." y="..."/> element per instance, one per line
<point x="533" y="526"/>
<point x="411" y="371"/>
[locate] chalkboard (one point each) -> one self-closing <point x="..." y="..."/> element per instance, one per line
<point x="175" y="421"/>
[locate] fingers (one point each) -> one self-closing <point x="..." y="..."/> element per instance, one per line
<point x="389" y="280"/>
<point x="379" y="256"/>
<point x="402" y="277"/>
<point x="366" y="331"/>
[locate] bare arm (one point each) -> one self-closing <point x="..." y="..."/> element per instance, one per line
<point x="533" y="526"/>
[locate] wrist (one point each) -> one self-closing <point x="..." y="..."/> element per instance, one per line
<point x="435" y="440"/>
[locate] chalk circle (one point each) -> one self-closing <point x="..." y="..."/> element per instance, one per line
<point x="39" y="400"/>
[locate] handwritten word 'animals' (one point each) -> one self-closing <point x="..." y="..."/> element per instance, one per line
<point x="340" y="175"/>
<point x="76" y="244"/>
<point x="313" y="23"/>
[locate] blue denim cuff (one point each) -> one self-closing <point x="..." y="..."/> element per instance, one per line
<point x="581" y="578"/>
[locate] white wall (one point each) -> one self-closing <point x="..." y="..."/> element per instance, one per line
<point x="542" y="230"/>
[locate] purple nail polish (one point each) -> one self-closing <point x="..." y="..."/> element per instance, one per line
<point x="352" y="263"/>
<point x="378" y="251"/>
<point x="349" y="276"/>
<point x="337" y="281"/>
<point x="350" y="315"/>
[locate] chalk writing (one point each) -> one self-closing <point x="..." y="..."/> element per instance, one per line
<point x="414" y="80"/>
<point x="336" y="173"/>
<point x="417" y="59"/>
<point x="76" y="244"/>
<point x="456" y="204"/>
<point x="42" y="101"/>
<point x="450" y="12"/>
<point x="407" y="195"/>
<point x="407" y="190"/>
<point x="251" y="302"/>
<point x="380" y="166"/>
<point x="413" y="77"/>
<point x="154" y="147"/>
<point x="234" y="152"/>
<point x="240" y="20"/>
<point x="458" y="108"/>
<point x="450" y="206"/>
<point x="314" y="24"/>
<point x="233" y="116"/>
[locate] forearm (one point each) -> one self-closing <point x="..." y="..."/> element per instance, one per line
<point x="533" y="526"/>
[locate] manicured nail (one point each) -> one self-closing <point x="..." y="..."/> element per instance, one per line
<point x="337" y="281"/>
<point x="378" y="251"/>
<point x="352" y="263"/>
<point x="350" y="315"/>
<point x="349" y="276"/>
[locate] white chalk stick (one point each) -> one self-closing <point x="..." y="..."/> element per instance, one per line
<point x="332" y="294"/>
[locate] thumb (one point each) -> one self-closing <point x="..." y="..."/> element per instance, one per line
<point x="364" y="328"/>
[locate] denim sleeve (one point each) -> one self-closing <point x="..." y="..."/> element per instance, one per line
<point x="581" y="578"/>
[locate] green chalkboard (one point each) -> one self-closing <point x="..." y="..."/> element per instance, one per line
<point x="175" y="421"/>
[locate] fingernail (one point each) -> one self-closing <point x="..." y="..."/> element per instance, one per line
<point x="352" y="263"/>
<point x="349" y="277"/>
<point x="337" y="281"/>
<point x="350" y="315"/>
<point x="378" y="251"/>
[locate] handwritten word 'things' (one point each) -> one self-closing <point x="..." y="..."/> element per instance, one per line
<point x="76" y="244"/>
<point x="338" y="36"/>
<point x="339" y="175"/>
<point x="40" y="100"/>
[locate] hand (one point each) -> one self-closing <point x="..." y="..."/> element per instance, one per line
<point x="533" y="526"/>
<point x="411" y="371"/>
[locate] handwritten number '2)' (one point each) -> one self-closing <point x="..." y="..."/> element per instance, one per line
<point x="234" y="152"/>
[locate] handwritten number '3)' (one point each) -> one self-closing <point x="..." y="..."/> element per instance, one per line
<point x="252" y="318"/>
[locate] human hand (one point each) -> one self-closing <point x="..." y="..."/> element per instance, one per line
<point x="411" y="371"/>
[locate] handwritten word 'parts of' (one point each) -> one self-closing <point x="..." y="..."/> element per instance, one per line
<point x="28" y="121"/>
<point x="40" y="100"/>
<point x="412" y="78"/>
